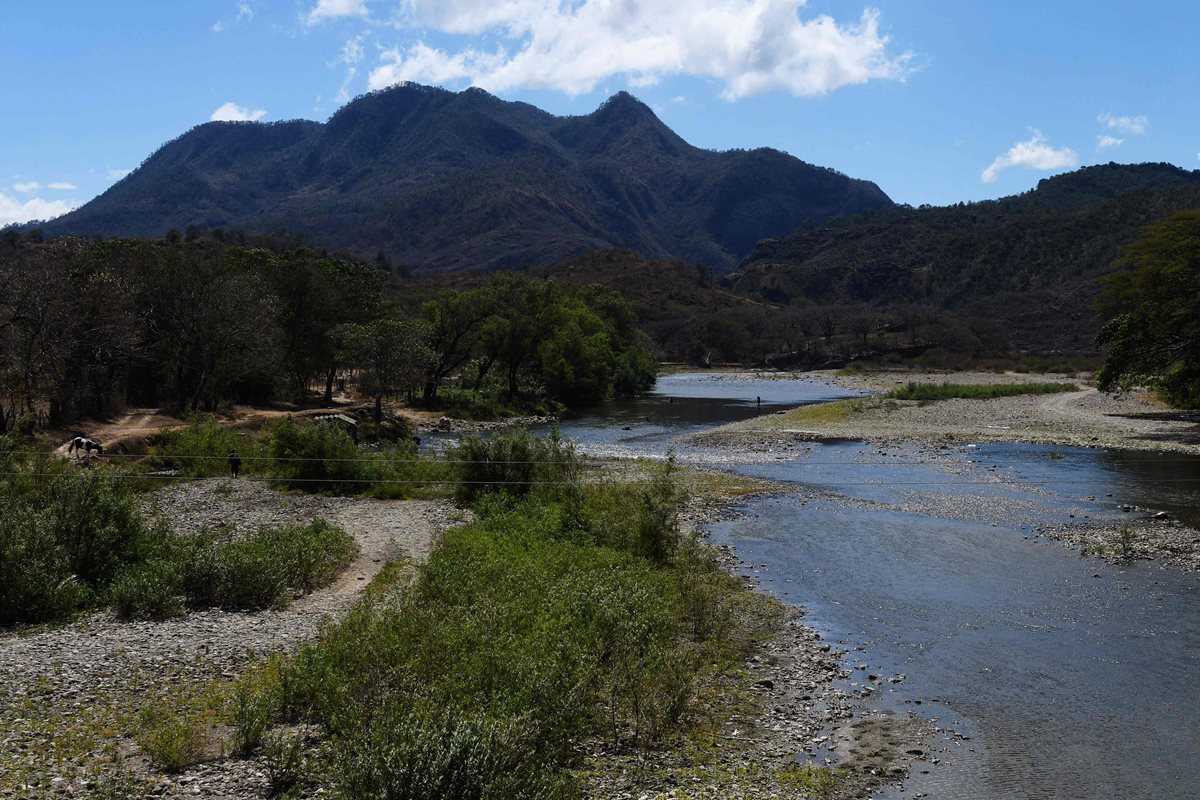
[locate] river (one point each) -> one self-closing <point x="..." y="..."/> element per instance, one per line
<point x="1048" y="675"/>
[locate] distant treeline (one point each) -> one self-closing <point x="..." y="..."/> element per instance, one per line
<point x="192" y="322"/>
<point x="692" y="316"/>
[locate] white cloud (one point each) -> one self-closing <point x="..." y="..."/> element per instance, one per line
<point x="1036" y="153"/>
<point x="27" y="186"/>
<point x="13" y="210"/>
<point x="117" y="174"/>
<point x="747" y="46"/>
<point x="333" y="9"/>
<point x="350" y="57"/>
<point x="61" y="186"/>
<point x="232" y="112"/>
<point x="1129" y="125"/>
<point x="1104" y="141"/>
<point x="245" y="11"/>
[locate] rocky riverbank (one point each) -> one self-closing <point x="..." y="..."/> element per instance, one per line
<point x="780" y="728"/>
<point x="1163" y="540"/>
<point x="1086" y="417"/>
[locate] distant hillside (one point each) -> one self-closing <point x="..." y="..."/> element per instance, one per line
<point x="1030" y="262"/>
<point x="443" y="181"/>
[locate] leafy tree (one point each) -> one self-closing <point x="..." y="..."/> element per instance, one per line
<point x="392" y="353"/>
<point x="1153" y="335"/>
<point x="456" y="321"/>
<point x="315" y="296"/>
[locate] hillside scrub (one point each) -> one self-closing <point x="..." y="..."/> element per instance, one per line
<point x="949" y="391"/>
<point x="548" y="621"/>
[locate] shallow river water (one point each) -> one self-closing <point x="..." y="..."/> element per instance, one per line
<point x="1049" y="675"/>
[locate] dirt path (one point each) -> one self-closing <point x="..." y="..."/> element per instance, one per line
<point x="137" y="424"/>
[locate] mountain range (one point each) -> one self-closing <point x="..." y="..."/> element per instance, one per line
<point x="1031" y="262"/>
<point x="443" y="181"/>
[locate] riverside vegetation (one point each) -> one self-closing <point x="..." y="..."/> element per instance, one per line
<point x="572" y="610"/>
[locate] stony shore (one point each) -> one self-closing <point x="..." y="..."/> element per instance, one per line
<point x="923" y="432"/>
<point x="1087" y="417"/>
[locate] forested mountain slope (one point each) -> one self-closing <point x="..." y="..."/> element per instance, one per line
<point x="442" y="181"/>
<point x="1031" y="261"/>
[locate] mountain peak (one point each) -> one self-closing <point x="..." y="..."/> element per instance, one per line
<point x="624" y="105"/>
<point x="447" y="181"/>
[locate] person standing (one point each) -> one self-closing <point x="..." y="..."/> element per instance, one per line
<point x="235" y="463"/>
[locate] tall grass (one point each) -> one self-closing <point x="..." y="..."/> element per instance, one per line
<point x="547" y="620"/>
<point x="947" y="391"/>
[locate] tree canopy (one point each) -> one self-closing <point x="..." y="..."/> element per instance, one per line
<point x="1153" y="333"/>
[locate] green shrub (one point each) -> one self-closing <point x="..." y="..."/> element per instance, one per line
<point x="173" y="740"/>
<point x="514" y="463"/>
<point x="251" y="577"/>
<point x="316" y="457"/>
<point x="986" y="391"/>
<point x="149" y="590"/>
<point x="312" y="554"/>
<point x="200" y="449"/>
<point x="256" y="704"/>
<point x="283" y="760"/>
<point x="444" y="756"/>
<point x="64" y="539"/>
<point x="267" y="568"/>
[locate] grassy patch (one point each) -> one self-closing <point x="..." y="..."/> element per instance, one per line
<point x="947" y="391"/>
<point x="570" y="612"/>
<point x="813" y="781"/>
<point x="826" y="413"/>
<point x="265" y="570"/>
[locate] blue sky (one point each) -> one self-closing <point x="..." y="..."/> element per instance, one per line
<point x="936" y="102"/>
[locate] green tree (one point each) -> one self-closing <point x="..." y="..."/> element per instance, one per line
<point x="315" y="296"/>
<point x="392" y="354"/>
<point x="1153" y="333"/>
<point x="456" y="320"/>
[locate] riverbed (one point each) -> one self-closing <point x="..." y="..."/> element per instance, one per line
<point x="1047" y="674"/>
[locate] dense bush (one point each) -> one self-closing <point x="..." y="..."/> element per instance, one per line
<point x="201" y="449"/>
<point x="321" y="457"/>
<point x="513" y="463"/>
<point x="315" y="457"/>
<point x="64" y="539"/>
<point x="263" y="570"/>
